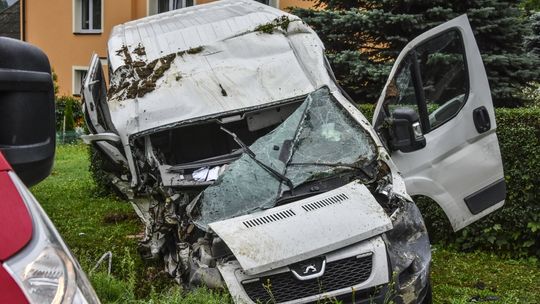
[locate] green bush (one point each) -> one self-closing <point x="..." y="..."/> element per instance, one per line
<point x="102" y="171"/>
<point x="72" y="109"/>
<point x="68" y="112"/>
<point x="514" y="229"/>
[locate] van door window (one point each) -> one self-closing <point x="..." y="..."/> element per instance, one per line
<point x="444" y="76"/>
<point x="432" y="80"/>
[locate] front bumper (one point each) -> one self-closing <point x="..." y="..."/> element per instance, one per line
<point x="356" y="273"/>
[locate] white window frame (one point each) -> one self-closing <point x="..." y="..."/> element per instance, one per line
<point x="273" y="3"/>
<point x="75" y="70"/>
<point x="152" y="6"/>
<point x="77" y="18"/>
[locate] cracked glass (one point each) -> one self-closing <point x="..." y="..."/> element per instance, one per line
<point x="318" y="140"/>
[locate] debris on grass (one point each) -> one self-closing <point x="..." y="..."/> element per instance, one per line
<point x="114" y="218"/>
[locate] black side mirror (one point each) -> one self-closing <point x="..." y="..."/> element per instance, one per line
<point x="27" y="118"/>
<point x="405" y="131"/>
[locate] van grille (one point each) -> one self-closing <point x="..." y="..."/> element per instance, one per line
<point x="285" y="287"/>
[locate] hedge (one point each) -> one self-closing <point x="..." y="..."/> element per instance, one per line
<point x="72" y="108"/>
<point x="515" y="229"/>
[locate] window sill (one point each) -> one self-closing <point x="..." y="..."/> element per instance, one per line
<point x="88" y="32"/>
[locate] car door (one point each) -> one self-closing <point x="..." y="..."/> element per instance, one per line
<point x="452" y="154"/>
<point x="97" y="116"/>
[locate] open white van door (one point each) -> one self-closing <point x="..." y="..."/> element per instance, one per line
<point x="436" y="116"/>
<point x="96" y="113"/>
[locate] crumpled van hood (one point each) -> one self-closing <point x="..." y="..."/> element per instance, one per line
<point x="304" y="229"/>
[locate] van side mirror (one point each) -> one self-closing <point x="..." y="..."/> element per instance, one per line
<point x="405" y="131"/>
<point x="27" y="118"/>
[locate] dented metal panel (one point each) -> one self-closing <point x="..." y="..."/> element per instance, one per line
<point x="304" y="229"/>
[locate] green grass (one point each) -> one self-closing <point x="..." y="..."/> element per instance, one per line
<point x="92" y="225"/>
<point x="462" y="277"/>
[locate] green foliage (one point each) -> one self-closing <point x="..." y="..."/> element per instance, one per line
<point x="68" y="112"/>
<point x="55" y="82"/>
<point x="532" y="42"/>
<point x="532" y="95"/>
<point x="531" y="5"/>
<point x="363" y="38"/>
<point x="72" y="109"/>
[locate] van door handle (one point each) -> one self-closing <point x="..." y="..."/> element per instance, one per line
<point x="481" y="118"/>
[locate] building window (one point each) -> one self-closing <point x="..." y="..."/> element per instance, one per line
<point x="161" y="6"/>
<point x="79" y="73"/>
<point x="88" y="16"/>
<point x="273" y="3"/>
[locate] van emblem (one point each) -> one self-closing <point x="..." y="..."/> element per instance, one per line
<point x="309" y="269"/>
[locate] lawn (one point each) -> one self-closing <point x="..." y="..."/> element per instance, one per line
<point x="92" y="225"/>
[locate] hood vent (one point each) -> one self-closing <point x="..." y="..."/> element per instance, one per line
<point x="274" y="217"/>
<point x="325" y="202"/>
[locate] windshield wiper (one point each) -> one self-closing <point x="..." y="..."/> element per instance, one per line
<point x="337" y="165"/>
<point x="251" y="154"/>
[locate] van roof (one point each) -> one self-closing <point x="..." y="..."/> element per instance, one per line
<point x="209" y="60"/>
<point x="188" y="28"/>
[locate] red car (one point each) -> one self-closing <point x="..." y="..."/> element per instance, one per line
<point x="37" y="266"/>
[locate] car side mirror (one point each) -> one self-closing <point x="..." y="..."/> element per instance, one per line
<point x="405" y="131"/>
<point x="27" y="123"/>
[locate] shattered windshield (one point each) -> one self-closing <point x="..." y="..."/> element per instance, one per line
<point x="318" y="140"/>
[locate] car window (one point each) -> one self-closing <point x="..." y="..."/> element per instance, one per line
<point x="442" y="77"/>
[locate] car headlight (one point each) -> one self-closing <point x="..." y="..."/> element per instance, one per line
<point x="50" y="278"/>
<point x="45" y="269"/>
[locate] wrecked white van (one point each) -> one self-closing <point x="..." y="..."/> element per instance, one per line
<point x="252" y="170"/>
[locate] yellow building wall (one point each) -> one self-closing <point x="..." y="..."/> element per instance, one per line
<point x="49" y="25"/>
